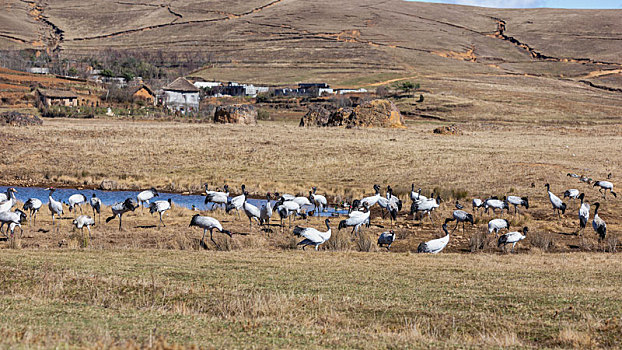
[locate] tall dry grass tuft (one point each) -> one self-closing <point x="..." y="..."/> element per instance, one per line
<point x="478" y="241"/>
<point x="542" y="240"/>
<point x="339" y="241"/>
<point x="577" y="339"/>
<point x="365" y="242"/>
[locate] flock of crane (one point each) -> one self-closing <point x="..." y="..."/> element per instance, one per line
<point x="288" y="206"/>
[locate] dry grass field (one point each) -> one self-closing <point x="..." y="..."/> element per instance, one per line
<point x="258" y="299"/>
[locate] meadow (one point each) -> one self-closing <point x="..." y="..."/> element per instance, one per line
<point x="146" y="286"/>
<point x="263" y="299"/>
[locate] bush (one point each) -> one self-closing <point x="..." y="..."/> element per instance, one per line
<point x="262" y="114"/>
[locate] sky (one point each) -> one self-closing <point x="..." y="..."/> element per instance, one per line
<point x="567" y="4"/>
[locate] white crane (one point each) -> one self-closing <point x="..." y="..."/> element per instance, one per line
<point x="604" y="186"/>
<point x="386" y="239"/>
<point x="8" y="203"/>
<point x="252" y="212"/>
<point x="285" y="196"/>
<point x="33" y="205"/>
<point x="160" y="207"/>
<point x="599" y="225"/>
<point x="84" y="221"/>
<point x="573" y="175"/>
<point x="313" y="236"/>
<point x="236" y="202"/>
<point x="461" y="216"/>
<point x="56" y="207"/>
<point x="96" y="205"/>
<point x="517" y="201"/>
<point x="120" y="208"/>
<point x="217" y="198"/>
<point x="584" y="213"/>
<point x="436" y="245"/>
<point x="512" y="238"/>
<point x="145" y="196"/>
<point x="355" y="220"/>
<point x="558" y="205"/>
<point x="12" y="217"/>
<point x="495" y="225"/>
<point x="208" y="223"/>
<point x="318" y="200"/>
<point x="76" y="200"/>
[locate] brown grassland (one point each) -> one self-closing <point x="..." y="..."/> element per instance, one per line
<point x="145" y="286"/>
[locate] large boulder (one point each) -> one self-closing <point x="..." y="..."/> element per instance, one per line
<point x="236" y="114"/>
<point x="379" y="113"/>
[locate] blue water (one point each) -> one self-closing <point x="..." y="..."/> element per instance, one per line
<point x="111" y="197"/>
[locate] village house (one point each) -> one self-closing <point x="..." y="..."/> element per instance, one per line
<point x="57" y="98"/>
<point x="143" y="92"/>
<point x="181" y="95"/>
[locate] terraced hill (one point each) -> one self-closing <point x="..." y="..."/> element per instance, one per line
<point x="348" y="43"/>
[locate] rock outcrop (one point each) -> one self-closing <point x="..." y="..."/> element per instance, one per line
<point x="19" y="119"/>
<point x="236" y="114"/>
<point x="376" y="113"/>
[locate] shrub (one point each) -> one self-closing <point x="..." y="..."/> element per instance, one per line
<point x="262" y="114"/>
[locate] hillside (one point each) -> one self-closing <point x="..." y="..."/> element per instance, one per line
<point x="540" y="54"/>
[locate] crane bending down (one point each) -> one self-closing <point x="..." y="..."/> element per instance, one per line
<point x="120" y="208"/>
<point x="313" y="236"/>
<point x="208" y="223"/>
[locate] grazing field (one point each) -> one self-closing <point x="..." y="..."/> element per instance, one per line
<point x="265" y="299"/>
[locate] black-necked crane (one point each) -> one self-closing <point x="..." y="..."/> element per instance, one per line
<point x="386" y="239"/>
<point x="120" y="208"/>
<point x="572" y="193"/>
<point x="477" y="203"/>
<point x="145" y="196"/>
<point x="495" y="225"/>
<point x="56" y="207"/>
<point x="265" y="212"/>
<point x="237" y="202"/>
<point x="313" y="236"/>
<point x="12" y="217"/>
<point x="217" y="197"/>
<point x="495" y="204"/>
<point x="512" y="238"/>
<point x="587" y="180"/>
<point x="584" y="213"/>
<point x="96" y="205"/>
<point x="458" y="205"/>
<point x="8" y="203"/>
<point x="252" y="212"/>
<point x="160" y="207"/>
<point x="318" y="200"/>
<point x="355" y="219"/>
<point x="285" y="196"/>
<point x="425" y="207"/>
<point x="208" y="223"/>
<point x="76" y="200"/>
<point x="436" y="245"/>
<point x="604" y="186"/>
<point x="558" y="205"/>
<point x="370" y="201"/>
<point x="33" y="205"/>
<point x="461" y="216"/>
<point x="8" y="194"/>
<point x="599" y="225"/>
<point x="84" y="221"/>
<point x="286" y="209"/>
<point x="518" y="201"/>
<point x="573" y="175"/>
<point x="416" y="196"/>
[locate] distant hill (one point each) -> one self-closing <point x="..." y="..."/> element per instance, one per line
<point x="453" y="48"/>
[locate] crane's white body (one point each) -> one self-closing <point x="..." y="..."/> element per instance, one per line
<point x="312" y="236"/>
<point x="160" y="207"/>
<point x="435" y="246"/>
<point x="76" y="199"/>
<point x="33" y="205"/>
<point x="83" y="221"/>
<point x="495" y="225"/>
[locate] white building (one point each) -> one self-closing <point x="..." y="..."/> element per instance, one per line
<point x="181" y="95"/>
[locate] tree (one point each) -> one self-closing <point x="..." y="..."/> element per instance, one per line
<point x="407" y="87"/>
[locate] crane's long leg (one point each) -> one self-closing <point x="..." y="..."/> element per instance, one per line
<point x="89" y="229"/>
<point x="162" y="222"/>
<point x="120" y="217"/>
